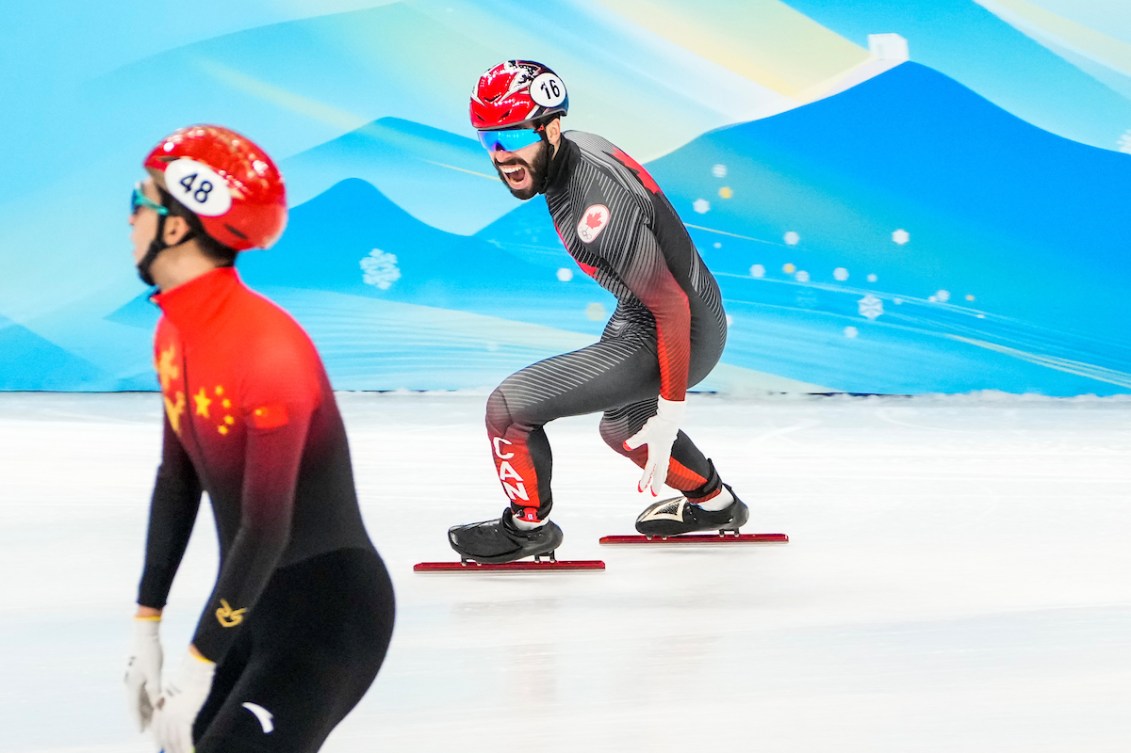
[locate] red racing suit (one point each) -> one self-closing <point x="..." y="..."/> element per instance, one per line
<point x="251" y="419"/>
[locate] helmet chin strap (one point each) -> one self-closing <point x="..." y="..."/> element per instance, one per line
<point x="156" y="246"/>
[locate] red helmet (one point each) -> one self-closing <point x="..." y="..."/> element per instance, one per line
<point x="227" y="181"/>
<point x="514" y="93"/>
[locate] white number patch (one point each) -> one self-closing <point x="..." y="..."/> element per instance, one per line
<point x="547" y="90"/>
<point x="198" y="187"/>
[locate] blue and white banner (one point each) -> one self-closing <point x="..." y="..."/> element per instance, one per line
<point x="896" y="197"/>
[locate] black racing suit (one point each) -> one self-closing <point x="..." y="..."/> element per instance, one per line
<point x="667" y="333"/>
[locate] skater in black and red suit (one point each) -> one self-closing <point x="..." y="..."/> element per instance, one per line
<point x="666" y="334"/>
<point x="301" y="614"/>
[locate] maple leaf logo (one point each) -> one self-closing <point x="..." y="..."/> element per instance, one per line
<point x="593" y="221"/>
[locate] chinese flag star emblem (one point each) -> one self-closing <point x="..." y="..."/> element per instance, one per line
<point x="270" y="416"/>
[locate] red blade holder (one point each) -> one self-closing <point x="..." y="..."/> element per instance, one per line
<point x="470" y="566"/>
<point x="539" y="563"/>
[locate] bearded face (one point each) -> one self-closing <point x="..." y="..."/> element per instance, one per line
<point x="522" y="170"/>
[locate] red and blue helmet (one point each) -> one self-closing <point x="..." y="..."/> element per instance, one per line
<point x="516" y="94"/>
<point x="225" y="179"/>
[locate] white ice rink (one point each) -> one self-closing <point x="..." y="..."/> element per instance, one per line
<point x="959" y="579"/>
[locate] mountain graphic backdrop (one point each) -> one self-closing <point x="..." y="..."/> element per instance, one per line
<point x="876" y="225"/>
<point x="996" y="252"/>
<point x="904" y="236"/>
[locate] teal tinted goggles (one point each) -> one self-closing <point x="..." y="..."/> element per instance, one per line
<point x="139" y="201"/>
<point x="509" y="140"/>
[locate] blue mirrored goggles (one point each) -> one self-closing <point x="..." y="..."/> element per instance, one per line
<point x="139" y="200"/>
<point x="510" y="140"/>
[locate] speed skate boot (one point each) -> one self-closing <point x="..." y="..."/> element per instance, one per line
<point x="500" y="540"/>
<point x="671" y="517"/>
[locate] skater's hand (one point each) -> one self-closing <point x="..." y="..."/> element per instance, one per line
<point x="659" y="434"/>
<point x="180" y="703"/>
<point x="143" y="670"/>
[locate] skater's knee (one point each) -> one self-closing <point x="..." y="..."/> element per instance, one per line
<point x="504" y="412"/>
<point x="614" y="434"/>
<point x="498" y="413"/>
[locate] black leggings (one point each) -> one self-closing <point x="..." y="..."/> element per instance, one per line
<point x="619" y="377"/>
<point x="310" y="649"/>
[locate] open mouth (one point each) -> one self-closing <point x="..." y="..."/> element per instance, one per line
<point x="514" y="174"/>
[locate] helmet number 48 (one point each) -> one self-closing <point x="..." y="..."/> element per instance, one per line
<point x="200" y="192"/>
<point x="201" y="189"/>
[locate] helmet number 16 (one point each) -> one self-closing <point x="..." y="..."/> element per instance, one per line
<point x="547" y="90"/>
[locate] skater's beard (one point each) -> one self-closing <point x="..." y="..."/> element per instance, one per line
<point x="536" y="171"/>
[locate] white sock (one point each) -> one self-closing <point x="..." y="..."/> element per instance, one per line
<point x="719" y="501"/>
<point x="528" y="525"/>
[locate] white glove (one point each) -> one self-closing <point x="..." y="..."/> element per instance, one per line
<point x="143" y="671"/>
<point x="180" y="703"/>
<point x="658" y="433"/>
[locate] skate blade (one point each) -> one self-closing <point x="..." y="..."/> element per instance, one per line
<point x="722" y="537"/>
<point x="537" y="565"/>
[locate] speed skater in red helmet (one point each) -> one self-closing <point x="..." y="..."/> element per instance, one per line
<point x="510" y="107"/>
<point x="666" y="334"/>
<point x="250" y="418"/>
<point x="224" y="187"/>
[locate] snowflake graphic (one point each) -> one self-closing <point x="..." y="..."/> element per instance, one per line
<point x="380" y="269"/>
<point x="719" y="170"/>
<point x="870" y="307"/>
<point x="701" y="206"/>
<point x="900" y="237"/>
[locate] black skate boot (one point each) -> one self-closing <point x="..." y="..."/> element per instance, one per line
<point x="671" y="517"/>
<point x="500" y="540"/>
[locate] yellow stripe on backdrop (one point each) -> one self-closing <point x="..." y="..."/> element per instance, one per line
<point x="1053" y="29"/>
<point x="764" y="41"/>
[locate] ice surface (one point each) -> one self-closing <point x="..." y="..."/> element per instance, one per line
<point x="957" y="580"/>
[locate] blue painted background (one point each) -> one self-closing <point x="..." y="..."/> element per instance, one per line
<point x="956" y="222"/>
